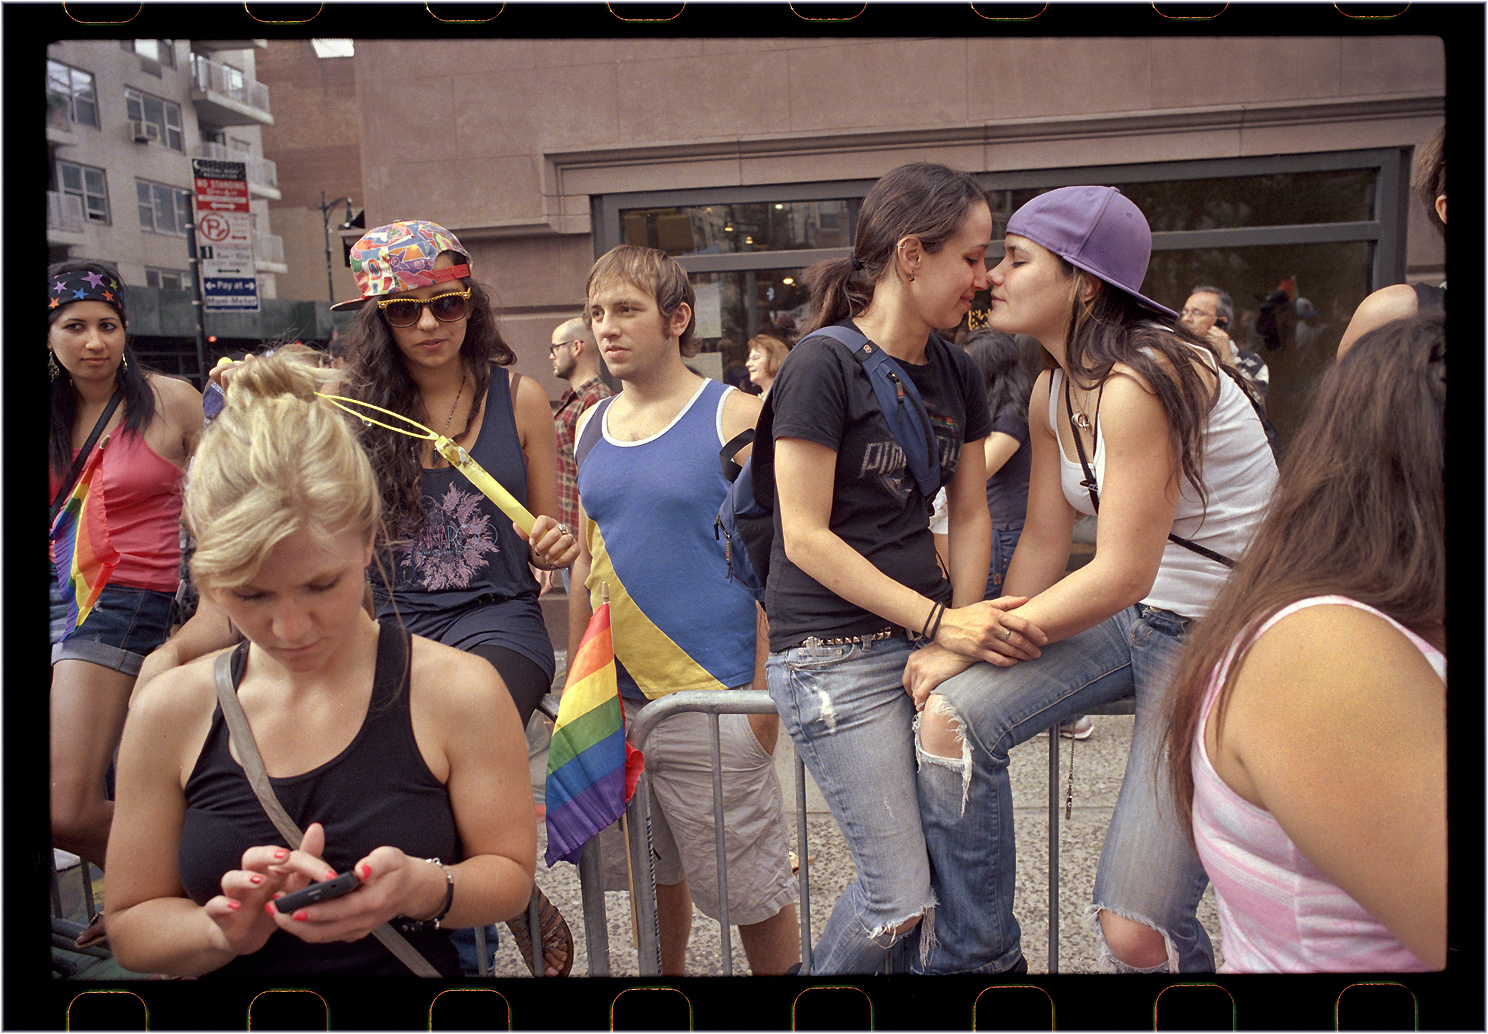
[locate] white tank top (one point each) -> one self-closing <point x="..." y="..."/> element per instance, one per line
<point x="1240" y="474"/>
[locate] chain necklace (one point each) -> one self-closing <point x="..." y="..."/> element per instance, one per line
<point x="449" y="419"/>
<point x="1082" y="420"/>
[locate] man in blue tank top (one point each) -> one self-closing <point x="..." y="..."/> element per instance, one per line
<point x="650" y="486"/>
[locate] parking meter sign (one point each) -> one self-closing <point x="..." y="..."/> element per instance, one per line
<point x="224" y="227"/>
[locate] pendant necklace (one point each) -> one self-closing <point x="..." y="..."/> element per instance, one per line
<point x="447" y="420"/>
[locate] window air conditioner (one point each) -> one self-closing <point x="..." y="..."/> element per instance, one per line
<point x="144" y="132"/>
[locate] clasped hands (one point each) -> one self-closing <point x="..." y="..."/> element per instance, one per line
<point x="985" y="631"/>
<point x="392" y="884"/>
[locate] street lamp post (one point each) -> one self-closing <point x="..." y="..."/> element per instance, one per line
<point x="325" y="218"/>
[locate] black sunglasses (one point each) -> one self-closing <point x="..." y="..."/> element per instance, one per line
<point x="405" y="312"/>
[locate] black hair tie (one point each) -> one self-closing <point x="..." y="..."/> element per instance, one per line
<point x="857" y="264"/>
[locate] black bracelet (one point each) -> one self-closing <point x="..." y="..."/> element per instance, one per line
<point x="932" y="623"/>
<point x="940" y="613"/>
<point x="406" y="925"/>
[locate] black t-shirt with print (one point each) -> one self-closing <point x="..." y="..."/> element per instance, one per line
<point x="823" y="395"/>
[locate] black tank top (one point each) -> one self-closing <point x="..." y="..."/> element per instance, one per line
<point x="378" y="791"/>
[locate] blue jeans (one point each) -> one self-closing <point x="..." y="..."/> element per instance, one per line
<point x="852" y="722"/>
<point x="1148" y="870"/>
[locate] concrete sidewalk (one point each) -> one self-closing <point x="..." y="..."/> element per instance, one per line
<point x="1099" y="763"/>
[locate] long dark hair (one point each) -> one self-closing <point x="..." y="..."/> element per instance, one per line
<point x="1360" y="512"/>
<point x="921" y="200"/>
<point x="375" y="373"/>
<point x="1000" y="358"/>
<point x="1114" y="327"/>
<point x="139" y="398"/>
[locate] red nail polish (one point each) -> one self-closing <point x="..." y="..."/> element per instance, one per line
<point x="255" y="879"/>
<point x="280" y="855"/>
<point x="269" y="907"/>
<point x="300" y="915"/>
<point x="364" y="870"/>
<point x="233" y="906"/>
<point x="330" y="874"/>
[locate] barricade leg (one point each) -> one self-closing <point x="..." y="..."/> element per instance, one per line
<point x="638" y="812"/>
<point x="1126" y="705"/>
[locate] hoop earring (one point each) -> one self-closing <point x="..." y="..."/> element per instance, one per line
<point x="53" y="370"/>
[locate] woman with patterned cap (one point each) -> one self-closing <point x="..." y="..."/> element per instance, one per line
<point x="455" y="569"/>
<point x="1136" y="417"/>
<point x="147" y="425"/>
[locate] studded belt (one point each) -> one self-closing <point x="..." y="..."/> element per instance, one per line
<point x="851" y="640"/>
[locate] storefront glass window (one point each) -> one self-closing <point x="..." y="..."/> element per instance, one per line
<point x="740" y="228"/>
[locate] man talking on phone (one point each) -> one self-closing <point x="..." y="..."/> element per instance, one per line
<point x="1208" y="313"/>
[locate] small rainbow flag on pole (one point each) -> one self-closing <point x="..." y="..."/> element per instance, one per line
<point x="592" y="771"/>
<point x="85" y="555"/>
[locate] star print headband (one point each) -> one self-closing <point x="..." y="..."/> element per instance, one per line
<point x="84" y="285"/>
<point x="400" y="257"/>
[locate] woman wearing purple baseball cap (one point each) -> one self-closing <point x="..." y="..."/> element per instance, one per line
<point x="1134" y="416"/>
<point x="425" y="345"/>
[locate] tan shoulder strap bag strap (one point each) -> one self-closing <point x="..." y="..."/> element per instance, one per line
<point x="252" y="762"/>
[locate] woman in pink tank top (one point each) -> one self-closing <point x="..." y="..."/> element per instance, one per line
<point x="140" y="454"/>
<point x="1308" y="729"/>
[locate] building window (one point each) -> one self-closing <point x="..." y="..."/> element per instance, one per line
<point x="164" y="115"/>
<point x="71" y="90"/>
<point x="87" y="183"/>
<point x="163" y="208"/>
<point x="1321" y="227"/>
<point x="161" y="50"/>
<point x="165" y="279"/>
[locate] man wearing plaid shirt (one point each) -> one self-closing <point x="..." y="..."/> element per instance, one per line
<point x="575" y="357"/>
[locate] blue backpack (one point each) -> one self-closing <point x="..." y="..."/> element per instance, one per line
<point x="746" y="521"/>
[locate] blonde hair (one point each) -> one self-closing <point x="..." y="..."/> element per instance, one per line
<point x="276" y="461"/>
<point x="772" y="348"/>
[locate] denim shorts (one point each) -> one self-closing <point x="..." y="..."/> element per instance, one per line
<point x="124" y="625"/>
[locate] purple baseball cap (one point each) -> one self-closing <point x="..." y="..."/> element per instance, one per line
<point x="1097" y="229"/>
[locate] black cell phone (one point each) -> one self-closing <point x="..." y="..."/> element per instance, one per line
<point x="317" y="892"/>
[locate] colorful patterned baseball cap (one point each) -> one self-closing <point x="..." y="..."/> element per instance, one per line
<point x="1097" y="229"/>
<point x="400" y="257"/>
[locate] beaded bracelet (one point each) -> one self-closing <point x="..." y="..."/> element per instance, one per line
<point x="407" y="925"/>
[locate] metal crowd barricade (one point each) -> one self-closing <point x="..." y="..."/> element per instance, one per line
<point x="638" y="814"/>
<point x="1125" y="705"/>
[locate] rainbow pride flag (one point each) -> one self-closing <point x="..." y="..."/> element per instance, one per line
<point x="592" y="771"/>
<point x="85" y="555"/>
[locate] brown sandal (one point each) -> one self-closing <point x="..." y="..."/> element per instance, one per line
<point x="556" y="936"/>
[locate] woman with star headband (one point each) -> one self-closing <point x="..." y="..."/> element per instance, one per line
<point x="147" y="426"/>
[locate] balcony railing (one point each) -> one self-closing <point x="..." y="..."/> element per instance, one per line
<point x="213" y="77"/>
<point x="65" y="212"/>
<point x="260" y="170"/>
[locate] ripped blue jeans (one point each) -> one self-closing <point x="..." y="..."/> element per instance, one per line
<point x="852" y="722"/>
<point x="1148" y="870"/>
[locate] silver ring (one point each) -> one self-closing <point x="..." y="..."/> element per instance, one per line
<point x="1007" y="633"/>
<point x="564" y="529"/>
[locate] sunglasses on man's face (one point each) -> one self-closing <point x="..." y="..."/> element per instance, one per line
<point x="405" y="312"/>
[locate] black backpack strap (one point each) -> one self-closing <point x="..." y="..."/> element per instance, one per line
<point x="589" y="437"/>
<point x="731" y="449"/>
